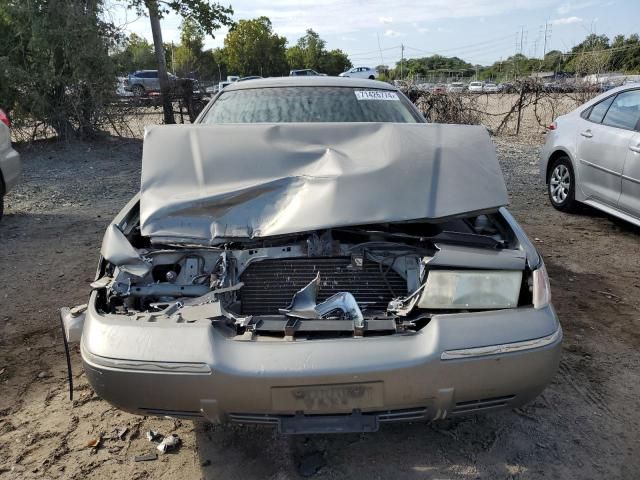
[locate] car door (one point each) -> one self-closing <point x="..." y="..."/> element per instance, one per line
<point x="153" y="81"/>
<point x="602" y="145"/>
<point x="630" y="190"/>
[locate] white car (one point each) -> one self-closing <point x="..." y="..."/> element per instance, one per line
<point x="490" y="88"/>
<point x="361" y="72"/>
<point x="456" y="87"/>
<point x="592" y="155"/>
<point x="476" y="87"/>
<point x="9" y="160"/>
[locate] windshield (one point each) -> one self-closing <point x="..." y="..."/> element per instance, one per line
<point x="310" y="104"/>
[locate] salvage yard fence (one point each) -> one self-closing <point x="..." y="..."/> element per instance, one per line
<point x="525" y="112"/>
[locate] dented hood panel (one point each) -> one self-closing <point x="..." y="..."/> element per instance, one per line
<point x="204" y="182"/>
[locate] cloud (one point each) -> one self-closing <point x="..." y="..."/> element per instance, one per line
<point x="568" y="7"/>
<point x="566" y="20"/>
<point x="393" y="33"/>
<point x="329" y="17"/>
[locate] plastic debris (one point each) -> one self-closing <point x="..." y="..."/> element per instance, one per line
<point x="169" y="443"/>
<point x="94" y="443"/>
<point x="146" y="457"/>
<point x="154" y="436"/>
<point x="121" y="432"/>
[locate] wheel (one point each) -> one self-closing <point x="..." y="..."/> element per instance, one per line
<point x="138" y="90"/>
<point x="561" y="185"/>
<point x="371" y="77"/>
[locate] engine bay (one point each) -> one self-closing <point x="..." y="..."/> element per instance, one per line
<point x="353" y="281"/>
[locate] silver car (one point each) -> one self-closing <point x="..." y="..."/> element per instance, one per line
<point x="592" y="155"/>
<point x="9" y="160"/>
<point x="312" y="255"/>
<point x="142" y="82"/>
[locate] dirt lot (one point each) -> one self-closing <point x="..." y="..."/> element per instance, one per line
<point x="585" y="425"/>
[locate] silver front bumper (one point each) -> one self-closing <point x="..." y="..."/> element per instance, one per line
<point x="192" y="370"/>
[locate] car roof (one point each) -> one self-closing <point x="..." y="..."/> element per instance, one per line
<point x="319" y="81"/>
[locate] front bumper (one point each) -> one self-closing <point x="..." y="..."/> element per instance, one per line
<point x="194" y="370"/>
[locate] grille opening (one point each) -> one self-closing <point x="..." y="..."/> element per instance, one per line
<point x="271" y="284"/>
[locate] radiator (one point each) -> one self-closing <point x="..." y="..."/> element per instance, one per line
<point x="271" y="284"/>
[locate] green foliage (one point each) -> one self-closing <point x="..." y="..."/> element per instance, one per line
<point x="188" y="55"/>
<point x="334" y="62"/>
<point x="133" y="53"/>
<point x="310" y="52"/>
<point x="207" y="16"/>
<point x="54" y="63"/>
<point x="252" y="48"/>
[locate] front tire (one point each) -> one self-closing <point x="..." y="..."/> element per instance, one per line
<point x="561" y="185"/>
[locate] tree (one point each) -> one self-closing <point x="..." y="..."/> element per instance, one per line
<point x="189" y="53"/>
<point x="252" y="48"/>
<point x="334" y="62"/>
<point x="310" y="52"/>
<point x="54" y="63"/>
<point x="207" y="17"/>
<point x="133" y="53"/>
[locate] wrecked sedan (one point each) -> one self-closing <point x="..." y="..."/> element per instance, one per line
<point x="313" y="256"/>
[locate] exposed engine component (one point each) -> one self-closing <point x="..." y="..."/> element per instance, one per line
<point x="358" y="280"/>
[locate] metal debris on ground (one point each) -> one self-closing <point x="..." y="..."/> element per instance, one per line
<point x="169" y="443"/>
<point x="146" y="457"/>
<point x="120" y="432"/>
<point x="153" y="436"/>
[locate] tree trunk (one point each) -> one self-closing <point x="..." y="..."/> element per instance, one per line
<point x="162" y="61"/>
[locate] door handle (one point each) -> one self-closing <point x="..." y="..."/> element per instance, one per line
<point x="587" y="133"/>
<point x="635" y="149"/>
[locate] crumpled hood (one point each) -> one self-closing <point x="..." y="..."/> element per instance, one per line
<point x="204" y="182"/>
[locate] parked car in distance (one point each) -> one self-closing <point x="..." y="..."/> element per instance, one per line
<point x="490" y="88"/>
<point x="306" y="72"/>
<point x="475" y="87"/>
<point x="9" y="160"/>
<point x="439" y="88"/>
<point x="144" y="82"/>
<point x="456" y="87"/>
<point x="121" y="87"/>
<point x="592" y="155"/>
<point x="507" y="87"/>
<point x="326" y="287"/>
<point x="361" y="72"/>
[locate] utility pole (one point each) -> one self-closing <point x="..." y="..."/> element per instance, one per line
<point x="402" y="61"/>
<point x="173" y="63"/>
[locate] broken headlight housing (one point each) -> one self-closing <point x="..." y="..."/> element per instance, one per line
<point x="541" y="287"/>
<point x="471" y="289"/>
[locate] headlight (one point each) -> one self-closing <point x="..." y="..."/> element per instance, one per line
<point x="472" y="289"/>
<point x="541" y="287"/>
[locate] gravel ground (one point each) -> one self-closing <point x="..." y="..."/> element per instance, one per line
<point x="585" y="425"/>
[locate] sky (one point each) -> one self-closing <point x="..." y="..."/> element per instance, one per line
<point x="372" y="31"/>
